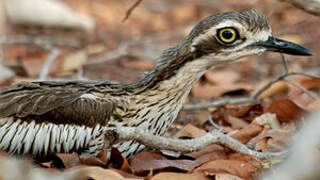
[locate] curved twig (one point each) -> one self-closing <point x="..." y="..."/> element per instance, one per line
<point x="189" y="145"/>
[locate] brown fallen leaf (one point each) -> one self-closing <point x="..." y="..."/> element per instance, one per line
<point x="33" y="63"/>
<point x="310" y="83"/>
<point x="175" y="176"/>
<point x="218" y="149"/>
<point x="236" y="123"/>
<point x="99" y="160"/>
<point x="214" y="155"/>
<point x="243" y="157"/>
<point x="274" y="140"/>
<point x="15" y="52"/>
<point x="93" y="49"/>
<point x="235" y="167"/>
<point x="190" y="131"/>
<point x="246" y="112"/>
<point x="74" y="60"/>
<point x="118" y="162"/>
<point x="222" y="77"/>
<point x="98" y="173"/>
<point x="302" y="100"/>
<point x="152" y="161"/>
<point x="200" y="119"/>
<point x="224" y="176"/>
<point x="314" y="105"/>
<point x="280" y="140"/>
<point x="268" y="119"/>
<point x="207" y="90"/>
<point x="69" y="160"/>
<point x="138" y="161"/>
<point x="275" y="89"/>
<point x="138" y="64"/>
<point x="286" y="110"/>
<point x="244" y="135"/>
<point x="262" y="145"/>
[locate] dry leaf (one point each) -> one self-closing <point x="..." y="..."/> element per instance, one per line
<point x="207" y="150"/>
<point x="268" y="119"/>
<point x="244" y="157"/>
<point x="244" y="135"/>
<point x="118" y="162"/>
<point x="222" y="77"/>
<point x="285" y="110"/>
<point x="190" y="131"/>
<point x="98" y="173"/>
<point x="302" y="100"/>
<point x="138" y="64"/>
<point x="208" y="91"/>
<point x="214" y="155"/>
<point x="315" y="105"/>
<point x="74" y="60"/>
<point x="274" y="140"/>
<point x="150" y="161"/>
<point x="175" y="176"/>
<point x="200" y="119"/>
<point x="92" y="161"/>
<point x="246" y="112"/>
<point x="235" y="167"/>
<point x="69" y="160"/>
<point x="92" y="49"/>
<point x="262" y="145"/>
<point x="33" y="63"/>
<point x="310" y="83"/>
<point x="15" y="52"/>
<point x="226" y="177"/>
<point x="236" y="123"/>
<point x="278" y="140"/>
<point x="275" y="89"/>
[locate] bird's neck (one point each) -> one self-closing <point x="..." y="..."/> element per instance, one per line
<point x="176" y="70"/>
<point x="159" y="96"/>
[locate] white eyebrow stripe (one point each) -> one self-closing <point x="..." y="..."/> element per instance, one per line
<point x="213" y="31"/>
<point x="251" y="37"/>
<point x="89" y="96"/>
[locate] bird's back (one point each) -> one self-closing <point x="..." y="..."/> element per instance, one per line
<point x="41" y="118"/>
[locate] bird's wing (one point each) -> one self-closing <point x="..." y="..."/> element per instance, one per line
<point x="48" y="101"/>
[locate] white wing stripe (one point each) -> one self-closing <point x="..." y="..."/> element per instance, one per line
<point x="46" y="138"/>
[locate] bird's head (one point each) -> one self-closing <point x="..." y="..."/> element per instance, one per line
<point x="231" y="35"/>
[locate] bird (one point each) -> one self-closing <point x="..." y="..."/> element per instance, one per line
<point x="42" y="118"/>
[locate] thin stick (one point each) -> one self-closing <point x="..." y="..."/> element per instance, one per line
<point x="215" y="125"/>
<point x="285" y="64"/>
<point x="189" y="145"/>
<point x="46" y="67"/>
<point x="121" y="51"/>
<point x="38" y="40"/>
<point x="129" y="11"/>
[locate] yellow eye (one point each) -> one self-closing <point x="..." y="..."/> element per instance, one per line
<point x="227" y="35"/>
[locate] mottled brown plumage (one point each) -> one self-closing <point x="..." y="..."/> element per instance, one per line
<point x="42" y="118"/>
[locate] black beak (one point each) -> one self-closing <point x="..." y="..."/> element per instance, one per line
<point x="282" y="46"/>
